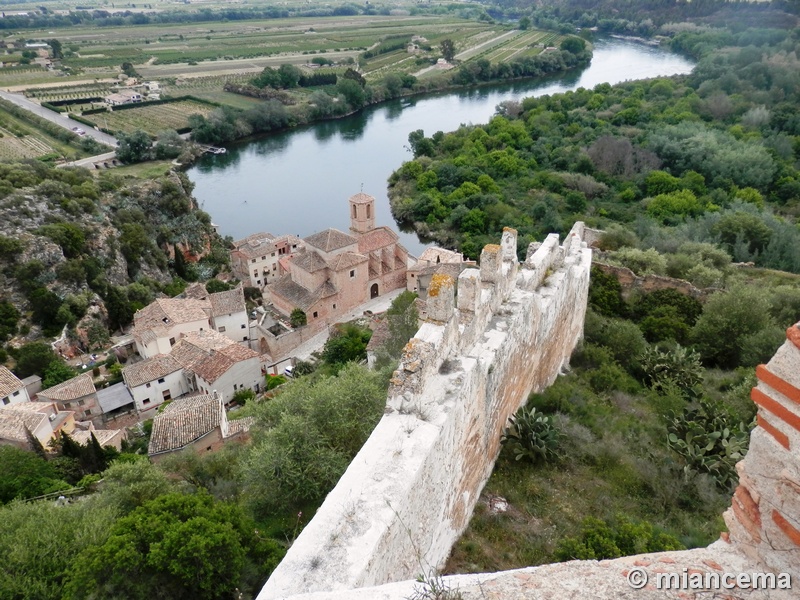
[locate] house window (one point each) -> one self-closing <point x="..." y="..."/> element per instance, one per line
<point x="87" y="412"/>
<point x="172" y="340"/>
<point x="368" y="211"/>
<point x="254" y="260"/>
<point x="294" y="246"/>
<point x="147" y="385"/>
<point x="161" y="380"/>
<point x="235" y="387"/>
<point x="315" y="314"/>
<point x="15" y="393"/>
<point x="244" y="339"/>
<point x="353" y="273"/>
<point x="334" y="307"/>
<point x="255" y="273"/>
<point x="263" y="258"/>
<point x="354" y="211"/>
<point x="146" y="401"/>
<point x="244" y="326"/>
<point x="221" y="330"/>
<point x="273" y="254"/>
<point x="167" y="395"/>
<point x="274" y="267"/>
<point x="80" y="402"/>
<point x="6" y="400"/>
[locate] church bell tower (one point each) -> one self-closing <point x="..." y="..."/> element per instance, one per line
<point x="362" y="213"/>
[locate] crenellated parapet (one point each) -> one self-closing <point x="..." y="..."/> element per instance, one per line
<point x="490" y="338"/>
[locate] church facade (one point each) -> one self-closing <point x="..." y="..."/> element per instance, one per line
<point x="339" y="271"/>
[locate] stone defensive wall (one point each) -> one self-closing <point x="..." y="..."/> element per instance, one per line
<point x="759" y="551"/>
<point x="410" y="492"/>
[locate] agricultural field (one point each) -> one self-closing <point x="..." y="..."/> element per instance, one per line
<point x="18" y="148"/>
<point x="22" y="139"/>
<point x="151" y="119"/>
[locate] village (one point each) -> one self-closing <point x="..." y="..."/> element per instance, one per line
<point x="187" y="357"/>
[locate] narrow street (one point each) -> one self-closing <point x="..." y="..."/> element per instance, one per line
<point x="57" y="118"/>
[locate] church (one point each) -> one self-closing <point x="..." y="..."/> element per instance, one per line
<point x="339" y="271"/>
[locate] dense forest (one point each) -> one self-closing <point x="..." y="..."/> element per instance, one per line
<point x="709" y="157"/>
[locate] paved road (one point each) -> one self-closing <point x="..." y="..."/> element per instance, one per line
<point x="57" y="118"/>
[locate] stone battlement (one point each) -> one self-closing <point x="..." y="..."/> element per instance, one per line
<point x="763" y="521"/>
<point x="409" y="493"/>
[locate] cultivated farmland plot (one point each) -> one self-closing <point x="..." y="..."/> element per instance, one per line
<point x="151" y="119"/>
<point x="17" y="148"/>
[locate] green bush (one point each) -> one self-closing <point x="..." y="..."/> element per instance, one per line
<point x="709" y="441"/>
<point x="677" y="367"/>
<point x="600" y="540"/>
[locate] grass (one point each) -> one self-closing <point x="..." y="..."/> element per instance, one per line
<point x="146" y="170"/>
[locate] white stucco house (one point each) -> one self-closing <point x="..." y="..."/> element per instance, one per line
<point x="12" y="389"/>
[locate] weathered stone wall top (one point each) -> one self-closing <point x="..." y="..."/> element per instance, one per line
<point x="410" y="491"/>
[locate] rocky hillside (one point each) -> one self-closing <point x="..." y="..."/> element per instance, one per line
<point x="86" y="252"/>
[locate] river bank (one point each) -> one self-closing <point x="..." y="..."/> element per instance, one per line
<point x="298" y="181"/>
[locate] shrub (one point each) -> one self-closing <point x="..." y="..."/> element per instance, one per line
<point x="641" y="262"/>
<point x="298" y="317"/>
<point x="531" y="435"/>
<point x="710" y="441"/>
<point x="679" y="367"/>
<point x="601" y="540"/>
<point x="605" y="294"/>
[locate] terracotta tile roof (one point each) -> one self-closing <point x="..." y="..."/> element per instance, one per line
<point x="196" y="291"/>
<point x="330" y="240"/>
<point x="150" y="369"/>
<point x="205" y="340"/>
<point x="166" y="312"/>
<point x="238" y="352"/>
<point x="71" y="389"/>
<point x="435" y="255"/>
<point x="185" y="420"/>
<point x="226" y="303"/>
<point x="240" y="425"/>
<point x="295" y="294"/>
<point x="103" y="436"/>
<point x="346" y="260"/>
<point x="361" y="198"/>
<point x="9" y="383"/>
<point x="14" y="421"/>
<point x="264" y="244"/>
<point x="309" y="261"/>
<point x="378" y="238"/>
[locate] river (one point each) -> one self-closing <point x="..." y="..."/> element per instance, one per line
<point x="299" y="181"/>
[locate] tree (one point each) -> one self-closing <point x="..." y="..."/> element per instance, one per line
<point x="289" y="76"/>
<point x="186" y="547"/>
<point x="448" y="49"/>
<point x="168" y="145"/>
<point x="24" y="474"/>
<point x="134" y="147"/>
<point x="129" y="69"/>
<point x="573" y="45"/>
<point x="353" y="93"/>
<point x="57" y="372"/>
<point x="298" y="317"/>
<point x="728" y="319"/>
<point x="347" y="344"/>
<point x="34" y="359"/>
<point x="55" y="46"/>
